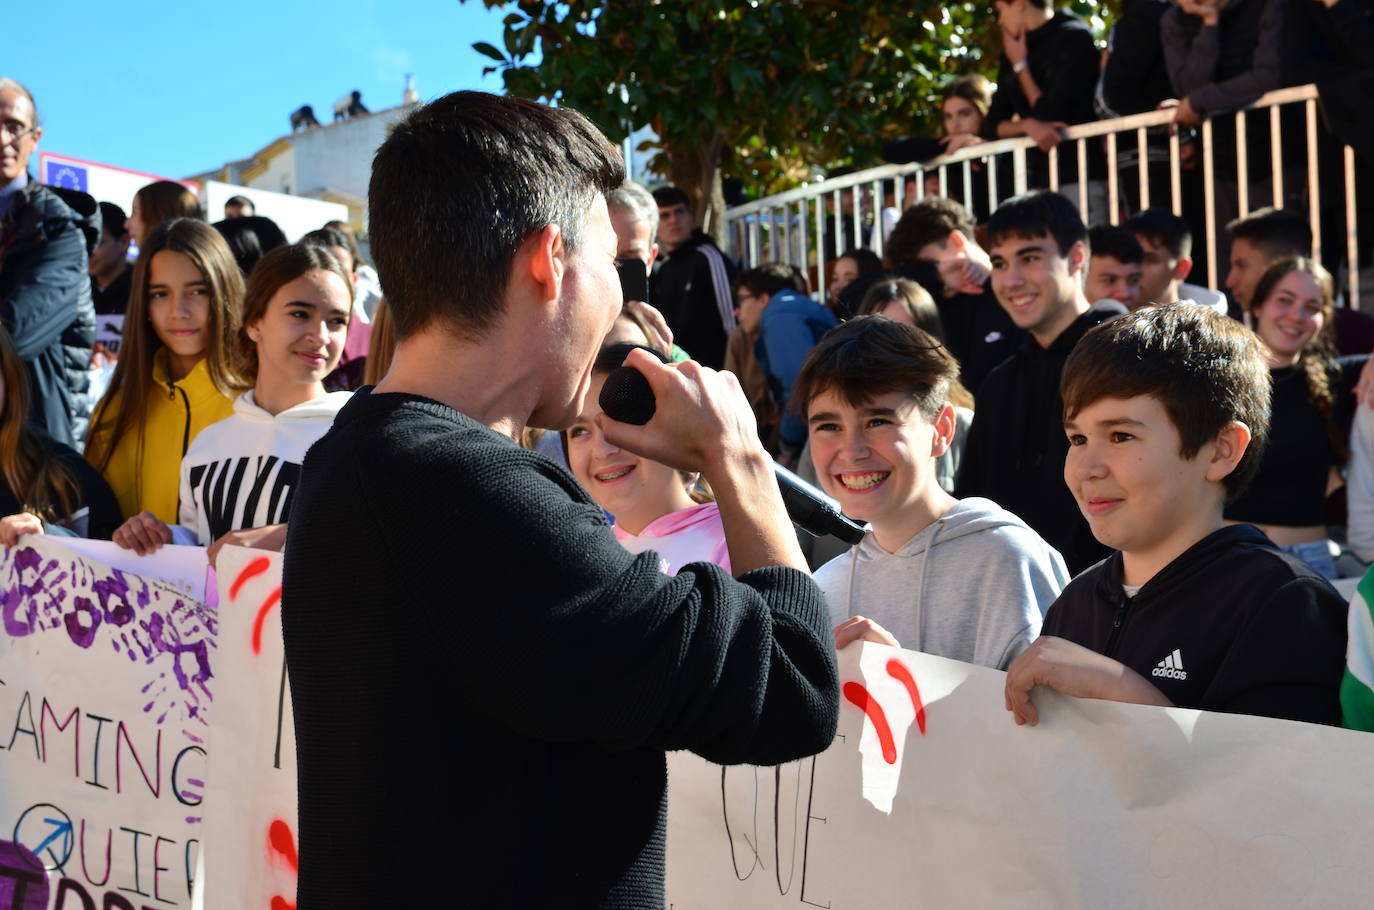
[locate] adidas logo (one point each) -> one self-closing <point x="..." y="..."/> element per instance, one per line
<point x="1171" y="667"/>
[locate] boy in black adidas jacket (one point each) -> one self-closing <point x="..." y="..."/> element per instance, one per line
<point x="1166" y="410"/>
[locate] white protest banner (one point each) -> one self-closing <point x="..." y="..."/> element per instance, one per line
<point x="932" y="797"/>
<point x="250" y="851"/>
<point x="105" y="688"/>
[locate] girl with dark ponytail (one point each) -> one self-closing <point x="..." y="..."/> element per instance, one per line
<point x="1292" y="311"/>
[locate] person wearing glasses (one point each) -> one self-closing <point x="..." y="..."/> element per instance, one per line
<point x="45" y="292"/>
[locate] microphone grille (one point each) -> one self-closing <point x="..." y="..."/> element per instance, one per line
<point x="627" y="397"/>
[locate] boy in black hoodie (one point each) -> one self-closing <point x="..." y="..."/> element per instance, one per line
<point x="1038" y="250"/>
<point x="1166" y="411"/>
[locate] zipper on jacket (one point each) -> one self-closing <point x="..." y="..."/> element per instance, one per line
<point x="185" y="428"/>
<point x="1121" y="604"/>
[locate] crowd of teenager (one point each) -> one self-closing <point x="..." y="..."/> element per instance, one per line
<point x="1071" y="463"/>
<point x="940" y="393"/>
<point x="946" y="397"/>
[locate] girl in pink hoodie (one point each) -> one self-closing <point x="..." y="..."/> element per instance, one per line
<point x="655" y="507"/>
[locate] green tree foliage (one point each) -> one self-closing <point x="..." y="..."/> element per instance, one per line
<point x="770" y="91"/>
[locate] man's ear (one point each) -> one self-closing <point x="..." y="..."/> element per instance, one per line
<point x="1227" y="450"/>
<point x="1078" y="259"/>
<point x="543" y="256"/>
<point x="1185" y="266"/>
<point x="944" y="424"/>
<point x="957" y="241"/>
<point x="653" y="254"/>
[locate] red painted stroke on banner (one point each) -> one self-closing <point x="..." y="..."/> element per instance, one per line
<point x="281" y="839"/>
<point x="267" y="604"/>
<point x="866" y="703"/>
<point x="898" y="671"/>
<point x="252" y="570"/>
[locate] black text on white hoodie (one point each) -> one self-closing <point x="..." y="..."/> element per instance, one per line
<point x="240" y="473"/>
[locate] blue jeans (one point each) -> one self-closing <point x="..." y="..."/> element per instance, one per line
<point x="1317" y="554"/>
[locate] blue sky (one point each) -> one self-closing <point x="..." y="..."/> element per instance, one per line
<point x="180" y="89"/>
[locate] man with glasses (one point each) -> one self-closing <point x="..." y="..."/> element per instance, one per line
<point x="45" y="293"/>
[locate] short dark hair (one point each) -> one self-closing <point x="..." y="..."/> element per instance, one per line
<point x="872" y="355"/>
<point x="250" y="237"/>
<point x="458" y="186"/>
<point x="1163" y="228"/>
<point x="1038" y="213"/>
<point x="1116" y="242"/>
<point x="768" y="278"/>
<point x="929" y="221"/>
<point x="1278" y="233"/>
<point x="668" y="196"/>
<point x="112" y="220"/>
<point x="241" y="202"/>
<point x="1206" y="369"/>
<point x="867" y="260"/>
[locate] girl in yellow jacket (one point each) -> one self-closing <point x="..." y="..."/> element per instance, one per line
<point x="175" y="374"/>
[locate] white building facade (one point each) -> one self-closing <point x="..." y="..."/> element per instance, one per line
<point x="331" y="162"/>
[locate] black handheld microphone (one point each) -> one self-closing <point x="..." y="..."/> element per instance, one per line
<point x="627" y="397"/>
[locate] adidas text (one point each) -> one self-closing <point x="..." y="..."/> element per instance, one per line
<point x="1171" y="667"/>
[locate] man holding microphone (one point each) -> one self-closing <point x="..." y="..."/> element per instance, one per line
<point x="484" y="681"/>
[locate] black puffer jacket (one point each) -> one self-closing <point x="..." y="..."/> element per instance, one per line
<point x="45" y="301"/>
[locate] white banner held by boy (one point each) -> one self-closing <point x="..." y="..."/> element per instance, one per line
<point x="1101" y="805"/>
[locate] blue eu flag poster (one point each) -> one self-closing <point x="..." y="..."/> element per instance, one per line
<point x="66" y="176"/>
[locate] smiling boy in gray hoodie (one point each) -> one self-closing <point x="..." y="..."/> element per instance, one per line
<point x="963" y="579"/>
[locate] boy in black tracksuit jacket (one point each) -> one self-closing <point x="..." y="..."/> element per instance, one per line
<point x="1166" y="411"/>
<point x="1231" y="625"/>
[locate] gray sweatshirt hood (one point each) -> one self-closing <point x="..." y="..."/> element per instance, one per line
<point x="971" y="586"/>
<point x="967" y="516"/>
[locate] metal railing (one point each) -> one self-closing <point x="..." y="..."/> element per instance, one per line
<point x="806" y="226"/>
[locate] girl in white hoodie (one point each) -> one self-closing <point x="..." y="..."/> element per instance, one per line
<point x="238" y="475"/>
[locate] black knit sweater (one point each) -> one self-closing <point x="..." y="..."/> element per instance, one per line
<point x="485" y="682"/>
